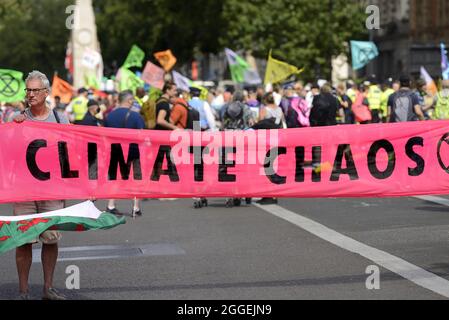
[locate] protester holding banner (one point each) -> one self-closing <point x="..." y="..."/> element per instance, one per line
<point x="123" y="117"/>
<point x="37" y="90"/>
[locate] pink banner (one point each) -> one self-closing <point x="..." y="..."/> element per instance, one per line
<point x="153" y="75"/>
<point x="40" y="161"/>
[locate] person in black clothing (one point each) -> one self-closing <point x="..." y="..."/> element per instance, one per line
<point x="90" y="118"/>
<point x="345" y="104"/>
<point x="404" y="105"/>
<point x="163" y="108"/>
<point x="324" y="108"/>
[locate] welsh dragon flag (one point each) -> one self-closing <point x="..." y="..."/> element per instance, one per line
<point x="16" y="231"/>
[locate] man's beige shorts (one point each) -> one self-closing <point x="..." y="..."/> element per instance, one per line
<point x="35" y="207"/>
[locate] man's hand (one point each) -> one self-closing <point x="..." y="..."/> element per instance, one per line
<point x="20" y="118"/>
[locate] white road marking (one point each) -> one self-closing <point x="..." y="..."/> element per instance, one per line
<point x="388" y="261"/>
<point x="439" y="200"/>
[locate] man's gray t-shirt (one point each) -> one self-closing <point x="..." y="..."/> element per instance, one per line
<point x="51" y="117"/>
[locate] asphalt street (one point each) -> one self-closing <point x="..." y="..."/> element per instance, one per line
<point x="176" y="252"/>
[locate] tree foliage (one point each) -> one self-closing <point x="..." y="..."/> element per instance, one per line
<point x="304" y="33"/>
<point x="185" y="27"/>
<point x="301" y="32"/>
<point x="33" y="35"/>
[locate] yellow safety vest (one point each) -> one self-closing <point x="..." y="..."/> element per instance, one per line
<point x="352" y="94"/>
<point x="384" y="100"/>
<point x="79" y="108"/>
<point x="374" y="97"/>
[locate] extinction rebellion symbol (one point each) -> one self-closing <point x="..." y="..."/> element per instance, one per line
<point x="9" y="86"/>
<point x="445" y="140"/>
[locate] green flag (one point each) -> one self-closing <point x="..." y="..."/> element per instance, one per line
<point x="12" y="86"/>
<point x="154" y="94"/>
<point x="129" y="80"/>
<point x="16" y="231"/>
<point x="135" y="58"/>
<point x="237" y="65"/>
<point x="91" y="81"/>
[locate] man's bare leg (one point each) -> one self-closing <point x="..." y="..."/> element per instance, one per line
<point x="49" y="258"/>
<point x="111" y="204"/>
<point x="24" y="259"/>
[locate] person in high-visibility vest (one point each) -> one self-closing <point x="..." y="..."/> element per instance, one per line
<point x="441" y="102"/>
<point x="140" y="98"/>
<point x="78" y="106"/>
<point x="374" y="99"/>
<point x="386" y="93"/>
<point x="352" y="90"/>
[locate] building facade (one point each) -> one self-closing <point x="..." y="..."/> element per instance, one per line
<point x="409" y="37"/>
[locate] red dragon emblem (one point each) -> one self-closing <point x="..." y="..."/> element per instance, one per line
<point x="4" y="238"/>
<point x="27" y="224"/>
<point x="2" y="223"/>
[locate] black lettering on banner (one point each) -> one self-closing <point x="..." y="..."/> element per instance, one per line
<point x="223" y="175"/>
<point x="344" y="150"/>
<point x="439" y="155"/>
<point x="171" y="171"/>
<point x="117" y="158"/>
<point x="270" y="158"/>
<point x="198" y="168"/>
<point x="372" y="155"/>
<point x="420" y="163"/>
<point x="300" y="164"/>
<point x="64" y="163"/>
<point x="32" y="150"/>
<point x="92" y="157"/>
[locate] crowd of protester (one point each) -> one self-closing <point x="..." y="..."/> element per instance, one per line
<point x="292" y="105"/>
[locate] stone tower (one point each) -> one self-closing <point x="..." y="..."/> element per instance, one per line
<point x="87" y="60"/>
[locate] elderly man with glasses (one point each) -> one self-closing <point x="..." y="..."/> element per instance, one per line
<point x="37" y="90"/>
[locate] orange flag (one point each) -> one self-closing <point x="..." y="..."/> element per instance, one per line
<point x="62" y="89"/>
<point x="166" y="59"/>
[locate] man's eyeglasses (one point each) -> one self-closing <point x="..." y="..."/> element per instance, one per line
<point x="28" y="91"/>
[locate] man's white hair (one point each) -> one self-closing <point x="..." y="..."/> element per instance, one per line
<point x="37" y="75"/>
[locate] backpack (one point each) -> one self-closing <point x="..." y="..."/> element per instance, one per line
<point x="361" y="111"/>
<point x="298" y="113"/>
<point x="192" y="116"/>
<point x="233" y="118"/>
<point x="442" y="107"/>
<point x="148" y="112"/>
<point x="403" y="107"/>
